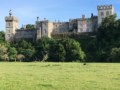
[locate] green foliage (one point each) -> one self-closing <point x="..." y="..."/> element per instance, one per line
<point x="57" y="52"/>
<point x="28" y="53"/>
<point x="3" y="53"/>
<point x="73" y="50"/>
<point x="24" y="44"/>
<point x="26" y="50"/>
<point x="108" y="37"/>
<point x="12" y="53"/>
<point x="115" y="55"/>
<point x="20" y="57"/>
<point x="30" y="27"/>
<point x="2" y="36"/>
<point x="108" y="30"/>
<point x="42" y="48"/>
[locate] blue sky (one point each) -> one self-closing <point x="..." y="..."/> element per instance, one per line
<point x="27" y="10"/>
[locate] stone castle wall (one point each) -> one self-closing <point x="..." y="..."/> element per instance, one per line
<point x="47" y="28"/>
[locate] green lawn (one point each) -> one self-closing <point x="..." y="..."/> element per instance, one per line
<point x="59" y="76"/>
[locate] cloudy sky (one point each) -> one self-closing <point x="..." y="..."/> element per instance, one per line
<point x="27" y="10"/>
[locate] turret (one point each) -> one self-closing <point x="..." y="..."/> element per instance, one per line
<point x="103" y="12"/>
<point x="11" y="27"/>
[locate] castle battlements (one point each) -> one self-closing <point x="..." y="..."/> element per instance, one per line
<point x="104" y="7"/>
<point x="11" y="18"/>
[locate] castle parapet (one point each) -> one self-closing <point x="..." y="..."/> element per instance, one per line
<point x="12" y="18"/>
<point x="104" y="7"/>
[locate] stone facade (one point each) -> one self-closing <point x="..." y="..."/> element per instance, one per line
<point x="46" y="28"/>
<point x="60" y="27"/>
<point x="25" y="34"/>
<point x="11" y="27"/>
<point x="104" y="11"/>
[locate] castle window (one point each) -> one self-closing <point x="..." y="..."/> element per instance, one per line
<point x="81" y="30"/>
<point x="45" y="31"/>
<point x="87" y="29"/>
<point x="102" y="13"/>
<point x="103" y="19"/>
<point x="9" y="35"/>
<point x="8" y="24"/>
<point x="107" y="13"/>
<point x="8" y="31"/>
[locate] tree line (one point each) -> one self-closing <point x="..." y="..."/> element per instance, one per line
<point x="45" y="49"/>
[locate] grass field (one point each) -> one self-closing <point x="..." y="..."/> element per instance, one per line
<point x="59" y="76"/>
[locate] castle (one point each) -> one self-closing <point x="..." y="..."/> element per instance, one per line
<point x="46" y="28"/>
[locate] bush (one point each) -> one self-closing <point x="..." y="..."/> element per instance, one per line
<point x="115" y="55"/>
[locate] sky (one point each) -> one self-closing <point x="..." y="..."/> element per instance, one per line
<point x="27" y="10"/>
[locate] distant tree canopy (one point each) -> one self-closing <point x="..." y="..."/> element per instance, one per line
<point x="73" y="50"/>
<point x="30" y="27"/>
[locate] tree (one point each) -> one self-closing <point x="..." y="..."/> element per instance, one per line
<point x="108" y="30"/>
<point x="20" y="57"/>
<point x="3" y="53"/>
<point x="30" y="27"/>
<point x="29" y="53"/>
<point x="73" y="50"/>
<point x="108" y="36"/>
<point x="26" y="49"/>
<point x="2" y="36"/>
<point x="57" y="52"/>
<point x="114" y="55"/>
<point x="25" y="44"/>
<point x="12" y="53"/>
<point x="42" y="48"/>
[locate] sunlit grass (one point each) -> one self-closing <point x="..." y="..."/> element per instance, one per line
<point x="59" y="76"/>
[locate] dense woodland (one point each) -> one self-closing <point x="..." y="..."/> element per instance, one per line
<point x="103" y="47"/>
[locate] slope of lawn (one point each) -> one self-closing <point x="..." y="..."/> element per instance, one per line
<point x="59" y="76"/>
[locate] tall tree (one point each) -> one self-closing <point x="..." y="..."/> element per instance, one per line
<point x="57" y="52"/>
<point x="73" y="50"/>
<point x="42" y="48"/>
<point x="12" y="54"/>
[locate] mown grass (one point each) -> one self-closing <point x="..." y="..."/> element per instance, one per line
<point x="59" y="76"/>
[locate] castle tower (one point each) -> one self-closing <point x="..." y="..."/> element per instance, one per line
<point x="11" y="26"/>
<point x="38" y="27"/>
<point x="103" y="12"/>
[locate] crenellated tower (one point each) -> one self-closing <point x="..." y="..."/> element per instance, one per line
<point x="103" y="12"/>
<point x="11" y="27"/>
<point x="38" y="27"/>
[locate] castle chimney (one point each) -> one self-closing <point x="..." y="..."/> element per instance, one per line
<point x="44" y="19"/>
<point x="83" y="16"/>
<point x="37" y="18"/>
<point x="92" y="15"/>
